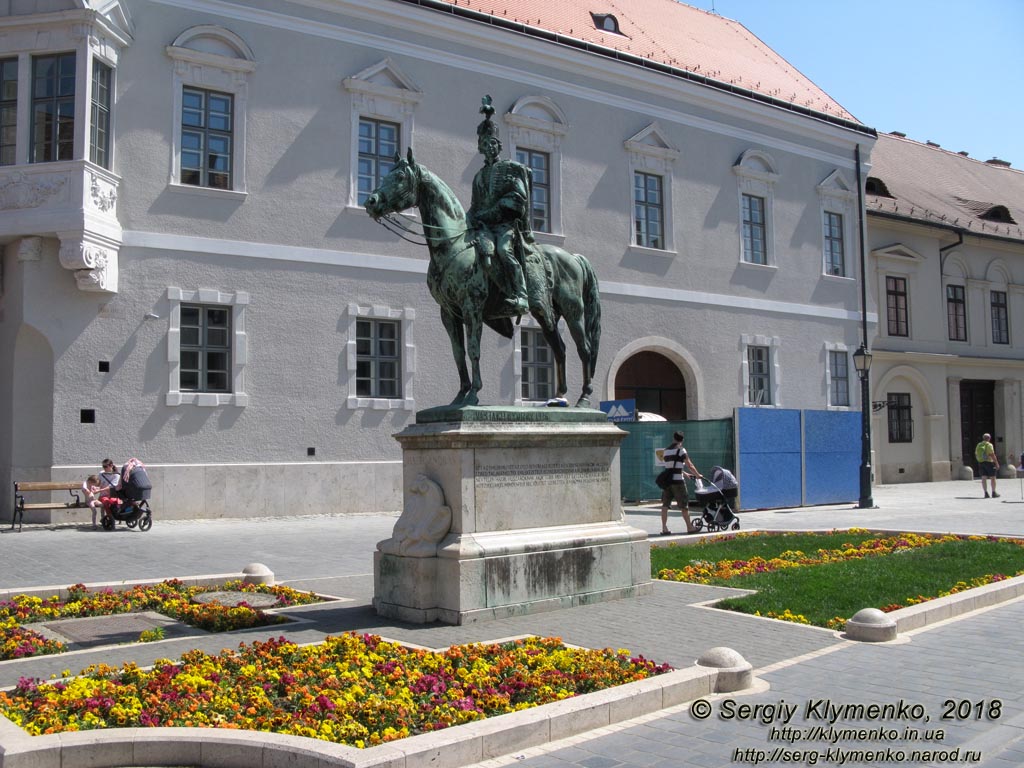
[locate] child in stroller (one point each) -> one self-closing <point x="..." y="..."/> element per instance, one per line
<point x="132" y="487"/>
<point x="716" y="513"/>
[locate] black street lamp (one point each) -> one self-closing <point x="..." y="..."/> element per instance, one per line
<point x="862" y="362"/>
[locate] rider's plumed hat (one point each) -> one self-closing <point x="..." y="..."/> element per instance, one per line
<point x="487" y="126"/>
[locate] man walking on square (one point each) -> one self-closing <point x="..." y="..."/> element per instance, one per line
<point x="985" y="453"/>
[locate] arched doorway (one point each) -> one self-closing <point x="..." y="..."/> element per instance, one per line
<point x="655" y="382"/>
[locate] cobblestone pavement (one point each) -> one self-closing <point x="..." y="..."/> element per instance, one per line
<point x="973" y="662"/>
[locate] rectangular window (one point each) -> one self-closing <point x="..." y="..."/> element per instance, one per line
<point x="207" y="126"/>
<point x="896" y="305"/>
<point x="205" y="348"/>
<point x="759" y="375"/>
<point x="840" y="376"/>
<point x="1000" y="318"/>
<point x="378" y="368"/>
<point x="956" y="313"/>
<point x="53" y="108"/>
<point x="835" y="258"/>
<point x="8" y="110"/>
<point x="99" y="127"/>
<point x="378" y="143"/>
<point x="538" y="366"/>
<point x="540" y="191"/>
<point x="754" y="235"/>
<point x="901" y="425"/>
<point x="648" y="210"/>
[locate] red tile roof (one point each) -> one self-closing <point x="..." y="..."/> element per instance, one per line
<point x="932" y="185"/>
<point x="670" y="33"/>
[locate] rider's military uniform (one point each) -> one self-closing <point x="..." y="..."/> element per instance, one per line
<point x="499" y="215"/>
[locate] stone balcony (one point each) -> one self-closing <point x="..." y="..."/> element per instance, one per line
<point x="73" y="201"/>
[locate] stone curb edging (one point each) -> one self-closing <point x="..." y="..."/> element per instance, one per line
<point x="941" y="608"/>
<point x="451" y="747"/>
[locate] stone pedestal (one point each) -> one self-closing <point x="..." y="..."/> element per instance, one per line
<point x="508" y="510"/>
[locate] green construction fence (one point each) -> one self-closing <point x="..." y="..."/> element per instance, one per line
<point x="709" y="443"/>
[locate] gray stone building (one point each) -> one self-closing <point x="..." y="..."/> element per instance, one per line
<point x="189" y="276"/>
<point x="947" y="256"/>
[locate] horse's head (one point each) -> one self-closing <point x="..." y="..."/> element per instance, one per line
<point x="397" y="190"/>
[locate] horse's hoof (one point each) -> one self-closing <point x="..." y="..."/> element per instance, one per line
<point x="583" y="402"/>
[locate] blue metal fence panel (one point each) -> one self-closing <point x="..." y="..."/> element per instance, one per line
<point x="770" y="458"/>
<point x="831" y="456"/>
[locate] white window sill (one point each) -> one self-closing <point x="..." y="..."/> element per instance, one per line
<point x="752" y="265"/>
<point x="207" y="399"/>
<point x="223" y="194"/>
<point x="642" y="250"/>
<point x="380" y="404"/>
<point x="841" y="278"/>
<point x="549" y="238"/>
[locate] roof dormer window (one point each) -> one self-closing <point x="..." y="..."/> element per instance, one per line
<point x="606" y="23"/>
<point x="998" y="213"/>
<point x="876" y="186"/>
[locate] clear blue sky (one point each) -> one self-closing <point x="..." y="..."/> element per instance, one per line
<point x="947" y="71"/>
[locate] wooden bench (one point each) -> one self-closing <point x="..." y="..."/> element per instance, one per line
<point x="21" y="488"/>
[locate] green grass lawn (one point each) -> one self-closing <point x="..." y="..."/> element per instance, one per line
<point x="823" y="592"/>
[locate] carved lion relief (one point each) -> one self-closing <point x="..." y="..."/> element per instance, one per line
<point x="425" y="520"/>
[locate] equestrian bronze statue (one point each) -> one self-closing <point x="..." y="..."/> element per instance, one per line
<point x="486" y="268"/>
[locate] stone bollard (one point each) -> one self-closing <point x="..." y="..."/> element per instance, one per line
<point x="257" y="573"/>
<point x="965" y="473"/>
<point x="871" y="625"/>
<point x="734" y="672"/>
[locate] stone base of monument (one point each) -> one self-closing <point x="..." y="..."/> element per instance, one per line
<point x="508" y="511"/>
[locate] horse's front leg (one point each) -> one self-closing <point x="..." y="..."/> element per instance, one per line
<point x="456" y="335"/>
<point x="473" y="329"/>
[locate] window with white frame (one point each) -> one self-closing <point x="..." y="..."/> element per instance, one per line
<point x="52" y="125"/>
<point x="838" y="378"/>
<point x="211" y="71"/>
<point x="651" y="161"/>
<point x="379" y="141"/>
<point x="835" y="249"/>
<point x="207" y="348"/>
<point x="756" y="176"/>
<point x="99" y="125"/>
<point x="837" y="199"/>
<point x="207" y="128"/>
<point x="380" y="357"/>
<point x="760" y="369"/>
<point x="536" y="125"/>
<point x="755" y="250"/>
<point x="1000" y="318"/>
<point x="383" y="102"/>
<point x="956" y="312"/>
<point x="539" y="164"/>
<point x="8" y="111"/>
<point x="538" y="366"/>
<point x="648" y="210"/>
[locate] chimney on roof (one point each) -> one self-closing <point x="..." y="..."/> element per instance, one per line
<point x="1000" y="163"/>
<point x="932" y="144"/>
<point x="900" y="134"/>
<point x="964" y="154"/>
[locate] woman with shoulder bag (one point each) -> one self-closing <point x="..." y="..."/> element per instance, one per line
<point x="676" y="458"/>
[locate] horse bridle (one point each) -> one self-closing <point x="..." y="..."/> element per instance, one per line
<point x="391" y="222"/>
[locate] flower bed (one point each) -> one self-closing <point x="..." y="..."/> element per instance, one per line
<point x="810" y="587"/>
<point x="171" y="598"/>
<point x="353" y="689"/>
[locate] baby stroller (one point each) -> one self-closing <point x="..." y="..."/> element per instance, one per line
<point x="133" y="495"/>
<point x="716" y="512"/>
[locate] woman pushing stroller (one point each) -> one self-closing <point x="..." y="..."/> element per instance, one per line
<point x="678" y="460"/>
<point x="121" y="495"/>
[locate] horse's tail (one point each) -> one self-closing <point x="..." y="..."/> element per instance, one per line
<point x="591" y="311"/>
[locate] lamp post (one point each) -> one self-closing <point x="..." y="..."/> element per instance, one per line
<point x="862" y="362"/>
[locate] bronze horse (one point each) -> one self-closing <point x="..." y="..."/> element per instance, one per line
<point x="563" y="284"/>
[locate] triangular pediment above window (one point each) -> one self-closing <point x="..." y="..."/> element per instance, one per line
<point x="897" y="251"/>
<point x="836" y="182"/>
<point x="384" y="78"/>
<point x="116" y="14"/>
<point x="651" y="141"/>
